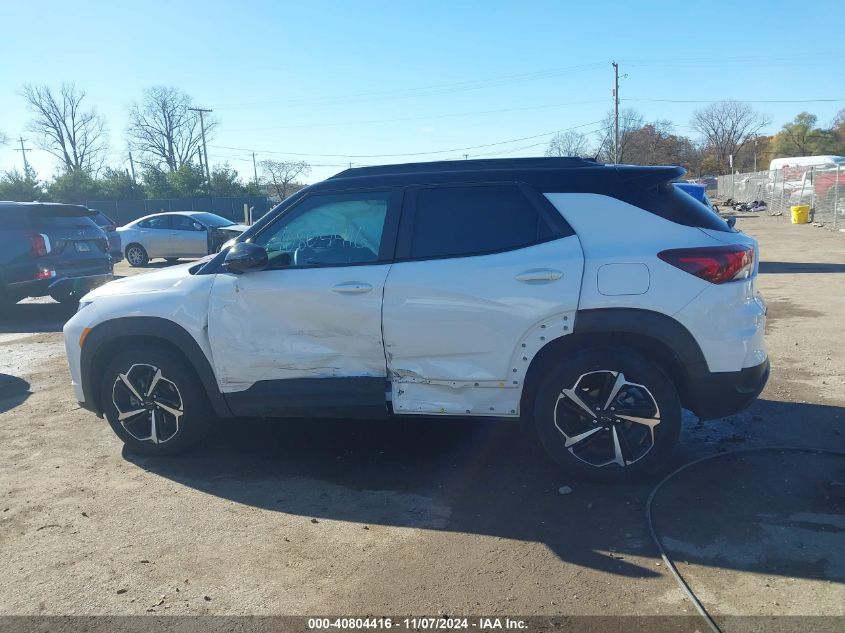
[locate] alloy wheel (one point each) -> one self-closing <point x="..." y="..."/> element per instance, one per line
<point x="135" y="255"/>
<point x="149" y="406"/>
<point x="607" y="420"/>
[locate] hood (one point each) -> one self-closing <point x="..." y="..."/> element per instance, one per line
<point x="148" y="282"/>
<point x="240" y="228"/>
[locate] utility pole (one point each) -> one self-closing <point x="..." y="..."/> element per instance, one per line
<point x="255" y="172"/>
<point x="202" y="111"/>
<point x="23" y="150"/>
<point x="132" y="166"/>
<point x="615" y="112"/>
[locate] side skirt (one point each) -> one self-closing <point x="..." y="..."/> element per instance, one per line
<point x="359" y="397"/>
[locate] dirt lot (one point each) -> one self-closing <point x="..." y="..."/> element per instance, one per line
<point x="431" y="517"/>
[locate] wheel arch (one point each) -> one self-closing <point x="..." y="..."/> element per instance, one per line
<point x="659" y="338"/>
<point x="108" y="337"/>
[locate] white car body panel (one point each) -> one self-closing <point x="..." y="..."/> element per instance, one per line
<point x="171" y="293"/>
<point x="297" y="323"/>
<point x="727" y="320"/>
<point x="460" y="333"/>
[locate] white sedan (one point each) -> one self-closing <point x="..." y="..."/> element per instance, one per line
<point x="176" y="234"/>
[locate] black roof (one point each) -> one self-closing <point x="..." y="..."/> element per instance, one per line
<point x="547" y="174"/>
<point x="57" y="208"/>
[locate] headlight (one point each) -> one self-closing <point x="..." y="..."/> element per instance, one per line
<point x="83" y="304"/>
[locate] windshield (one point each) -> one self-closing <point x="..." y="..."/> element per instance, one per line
<point x="212" y="220"/>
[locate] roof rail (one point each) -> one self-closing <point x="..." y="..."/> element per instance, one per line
<point x="468" y="165"/>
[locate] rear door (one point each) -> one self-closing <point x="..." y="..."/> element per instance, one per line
<point x="485" y="276"/>
<point x="155" y="236"/>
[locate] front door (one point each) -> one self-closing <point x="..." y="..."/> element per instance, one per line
<point x="303" y="336"/>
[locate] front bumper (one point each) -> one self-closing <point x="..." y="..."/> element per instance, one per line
<point x="719" y="394"/>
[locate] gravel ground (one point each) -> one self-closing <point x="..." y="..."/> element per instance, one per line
<point x="429" y="517"/>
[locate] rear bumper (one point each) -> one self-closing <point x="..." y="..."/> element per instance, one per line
<point x="77" y="286"/>
<point x="60" y="287"/>
<point x="719" y="394"/>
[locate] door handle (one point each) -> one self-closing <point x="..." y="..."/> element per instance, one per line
<point x="539" y="274"/>
<point x="352" y="287"/>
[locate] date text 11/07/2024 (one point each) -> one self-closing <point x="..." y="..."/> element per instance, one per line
<point x="419" y="623"/>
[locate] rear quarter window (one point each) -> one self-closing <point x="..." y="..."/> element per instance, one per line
<point x="669" y="202"/>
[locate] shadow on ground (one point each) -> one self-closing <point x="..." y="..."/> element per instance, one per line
<point x="13" y="392"/>
<point x="36" y="317"/>
<point x="464" y="476"/>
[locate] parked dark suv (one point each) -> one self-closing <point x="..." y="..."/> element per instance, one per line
<point x="50" y="249"/>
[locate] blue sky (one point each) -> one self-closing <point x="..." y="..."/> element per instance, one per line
<point x="379" y="79"/>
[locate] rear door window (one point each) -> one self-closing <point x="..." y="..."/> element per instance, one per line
<point x="160" y="222"/>
<point x="456" y="221"/>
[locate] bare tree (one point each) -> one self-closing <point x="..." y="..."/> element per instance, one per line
<point x="4" y="138"/>
<point x="569" y="143"/>
<point x="728" y="126"/>
<point x="282" y="175"/>
<point x="163" y="130"/>
<point x="629" y="121"/>
<point x="65" y="129"/>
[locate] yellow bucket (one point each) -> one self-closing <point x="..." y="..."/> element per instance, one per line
<point x="800" y="213"/>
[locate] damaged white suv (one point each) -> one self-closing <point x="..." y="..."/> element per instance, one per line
<point x="592" y="302"/>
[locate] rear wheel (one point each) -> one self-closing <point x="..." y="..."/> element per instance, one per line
<point x="607" y="415"/>
<point x="154" y="402"/>
<point x="136" y="255"/>
<point x="7" y="304"/>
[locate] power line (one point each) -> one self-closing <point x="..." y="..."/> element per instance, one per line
<point x="418" y="118"/>
<point x="740" y="100"/>
<point x="440" y="151"/>
<point x="435" y="89"/>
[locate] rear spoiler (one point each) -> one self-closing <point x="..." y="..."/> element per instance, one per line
<point x="647" y="176"/>
<point x="61" y="210"/>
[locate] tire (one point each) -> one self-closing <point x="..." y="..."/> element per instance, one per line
<point x="611" y="448"/>
<point x="7" y="304"/>
<point x="178" y="389"/>
<point x="136" y="255"/>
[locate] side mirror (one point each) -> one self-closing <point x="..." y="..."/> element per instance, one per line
<point x="198" y="227"/>
<point x="731" y="221"/>
<point x="245" y="256"/>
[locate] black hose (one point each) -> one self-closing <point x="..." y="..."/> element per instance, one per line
<point x="654" y="537"/>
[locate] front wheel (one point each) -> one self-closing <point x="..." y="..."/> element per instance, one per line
<point x="136" y="255"/>
<point x="154" y="401"/>
<point x="608" y="415"/>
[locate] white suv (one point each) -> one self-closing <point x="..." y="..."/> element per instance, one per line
<point x="592" y="302"/>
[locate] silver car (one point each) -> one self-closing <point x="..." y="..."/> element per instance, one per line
<point x="176" y="234"/>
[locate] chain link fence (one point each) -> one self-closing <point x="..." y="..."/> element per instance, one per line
<point x="821" y="187"/>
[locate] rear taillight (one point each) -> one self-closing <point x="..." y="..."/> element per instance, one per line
<point x="39" y="244"/>
<point x="716" y="264"/>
